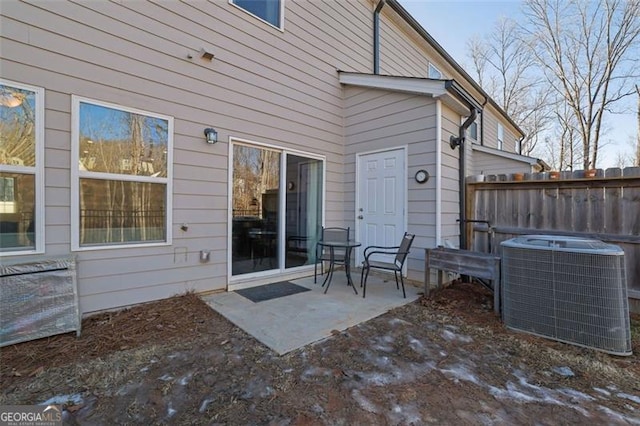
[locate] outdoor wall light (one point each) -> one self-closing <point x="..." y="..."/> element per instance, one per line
<point x="211" y="134"/>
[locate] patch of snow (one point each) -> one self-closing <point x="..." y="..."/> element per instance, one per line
<point x="451" y="337"/>
<point x="364" y="402"/>
<point x="405" y="415"/>
<point x="186" y="379"/>
<point x="541" y="395"/>
<point x="287" y="370"/>
<point x="460" y="372"/>
<point x="633" y="398"/>
<point x="510" y="393"/>
<point x="257" y="388"/>
<point x="315" y="372"/>
<point x="75" y="398"/>
<point x="618" y="416"/>
<point x="398" y="321"/>
<point x="204" y="405"/>
<point x="144" y="369"/>
<point x="576" y="395"/>
<point x="563" y="371"/>
<point x="417" y="346"/>
<point x="397" y="375"/>
<point x="602" y="391"/>
<point x="165" y="377"/>
<point x="442" y="353"/>
<point x="171" y="412"/>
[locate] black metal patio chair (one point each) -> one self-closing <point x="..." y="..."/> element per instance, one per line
<point x="400" y="253"/>
<point x="323" y="253"/>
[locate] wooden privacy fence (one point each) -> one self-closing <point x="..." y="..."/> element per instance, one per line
<point x="605" y="207"/>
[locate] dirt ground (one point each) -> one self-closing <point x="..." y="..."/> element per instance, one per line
<point x="442" y="360"/>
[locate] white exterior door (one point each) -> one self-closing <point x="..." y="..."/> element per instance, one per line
<point x="381" y="199"/>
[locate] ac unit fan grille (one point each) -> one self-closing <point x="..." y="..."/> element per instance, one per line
<point x="575" y="297"/>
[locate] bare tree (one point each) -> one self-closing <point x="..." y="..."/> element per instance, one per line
<point x="589" y="53"/>
<point x="507" y="70"/>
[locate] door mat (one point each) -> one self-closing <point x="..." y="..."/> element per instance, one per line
<point x="271" y="291"/>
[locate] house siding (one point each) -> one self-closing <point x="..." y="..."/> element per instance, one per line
<point x="378" y="120"/>
<point x="264" y="85"/>
<point x="490" y="135"/>
<point x="450" y="178"/>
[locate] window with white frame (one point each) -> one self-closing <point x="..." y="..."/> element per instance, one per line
<point x="122" y="175"/>
<point x="500" y="136"/>
<point x="472" y="132"/>
<point x="434" y="72"/>
<point x="21" y="168"/>
<point x="270" y="11"/>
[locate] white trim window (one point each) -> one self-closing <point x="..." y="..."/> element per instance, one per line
<point x="269" y="11"/>
<point x="121" y="176"/>
<point x="500" y="136"/>
<point x="21" y="168"/>
<point x="472" y="132"/>
<point x="434" y="72"/>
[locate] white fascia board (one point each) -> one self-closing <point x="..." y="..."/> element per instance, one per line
<point x="505" y="154"/>
<point x="421" y="86"/>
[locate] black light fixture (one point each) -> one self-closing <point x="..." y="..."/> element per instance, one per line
<point x="211" y="134"/>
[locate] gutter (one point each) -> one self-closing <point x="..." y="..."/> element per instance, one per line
<point x="376" y="37"/>
<point x="486" y="99"/>
<point x="474" y="107"/>
<point x="462" y="164"/>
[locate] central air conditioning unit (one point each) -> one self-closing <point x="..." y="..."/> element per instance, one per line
<point x="573" y="290"/>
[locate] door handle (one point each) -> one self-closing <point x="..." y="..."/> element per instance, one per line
<point x="360" y="217"/>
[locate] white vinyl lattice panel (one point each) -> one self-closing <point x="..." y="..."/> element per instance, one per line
<point x="567" y="292"/>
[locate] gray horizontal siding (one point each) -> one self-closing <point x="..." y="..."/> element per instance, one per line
<point x="391" y="120"/>
<point x="264" y="85"/>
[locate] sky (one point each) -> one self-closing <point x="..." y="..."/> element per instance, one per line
<point x="453" y="22"/>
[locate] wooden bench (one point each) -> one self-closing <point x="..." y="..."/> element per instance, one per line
<point x="464" y="262"/>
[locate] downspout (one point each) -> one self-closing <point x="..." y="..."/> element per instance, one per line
<point x="376" y="37"/>
<point x="438" y="172"/>
<point x="482" y="121"/>
<point x="462" y="163"/>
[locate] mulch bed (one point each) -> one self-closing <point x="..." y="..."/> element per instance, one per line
<point x="165" y="321"/>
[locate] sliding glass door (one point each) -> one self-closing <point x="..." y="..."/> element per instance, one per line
<point x="276" y="209"/>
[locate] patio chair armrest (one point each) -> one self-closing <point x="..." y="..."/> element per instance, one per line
<point x="383" y="249"/>
<point x="368" y="254"/>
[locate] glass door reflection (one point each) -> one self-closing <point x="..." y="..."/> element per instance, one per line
<point x="256" y="194"/>
<point x="303" y="209"/>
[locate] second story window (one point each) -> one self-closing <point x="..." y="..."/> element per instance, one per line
<point x="500" y="136"/>
<point x="269" y="11"/>
<point x="434" y="72"/>
<point x="472" y="132"/>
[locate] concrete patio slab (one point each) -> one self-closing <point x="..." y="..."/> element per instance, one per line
<point x="291" y="322"/>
